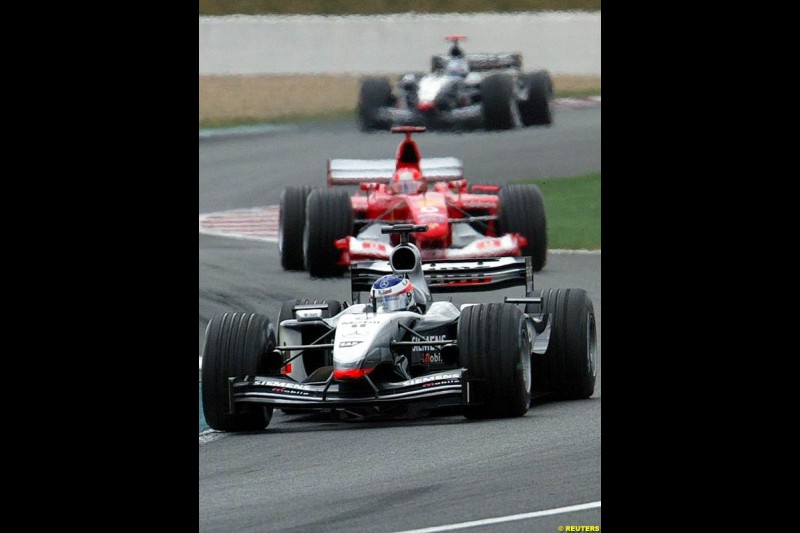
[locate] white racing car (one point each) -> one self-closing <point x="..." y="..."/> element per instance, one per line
<point x="401" y="353"/>
<point x="464" y="91"/>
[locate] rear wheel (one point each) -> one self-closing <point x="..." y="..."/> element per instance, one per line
<point x="495" y="349"/>
<point x="535" y="111"/>
<point x="375" y="93"/>
<point x="235" y="346"/>
<point x="569" y="367"/>
<point x="329" y="217"/>
<point x="291" y="220"/>
<point x="522" y="211"/>
<point x="497" y="94"/>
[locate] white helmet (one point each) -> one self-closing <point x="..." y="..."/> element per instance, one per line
<point x="392" y="293"/>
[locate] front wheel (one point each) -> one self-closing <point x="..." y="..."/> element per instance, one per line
<point x="235" y="346"/>
<point x="535" y="109"/>
<point x="497" y="95"/>
<point x="291" y="221"/>
<point x="375" y="93"/>
<point x="494" y="347"/>
<point x="329" y="217"/>
<point x="569" y="368"/>
<point x="522" y="211"/>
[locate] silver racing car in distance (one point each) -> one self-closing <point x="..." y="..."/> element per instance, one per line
<point x="358" y="360"/>
<point x="462" y="91"/>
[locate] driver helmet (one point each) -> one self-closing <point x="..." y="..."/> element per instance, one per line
<point x="392" y="293"/>
<point x="457" y="66"/>
<point x="407" y="181"/>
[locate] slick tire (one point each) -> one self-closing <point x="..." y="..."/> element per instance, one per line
<point x="329" y="217"/>
<point x="495" y="348"/>
<point x="569" y="367"/>
<point x="497" y="94"/>
<point x="522" y="211"/>
<point x="375" y="93"/>
<point x="234" y="347"/>
<point x="536" y="110"/>
<point x="291" y="221"/>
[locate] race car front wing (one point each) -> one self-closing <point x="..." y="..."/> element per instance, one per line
<point x="445" y="388"/>
<point x="354" y="249"/>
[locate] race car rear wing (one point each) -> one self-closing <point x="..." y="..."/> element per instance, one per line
<point x="481" y="62"/>
<point x="357" y="171"/>
<point x="453" y="275"/>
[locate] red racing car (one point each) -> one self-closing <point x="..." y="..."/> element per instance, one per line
<point x="324" y="230"/>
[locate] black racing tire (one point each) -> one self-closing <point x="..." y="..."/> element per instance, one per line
<point x="234" y="347"/>
<point x="329" y="217"/>
<point x="495" y="348"/>
<point x="497" y="95"/>
<point x="375" y="93"/>
<point x="522" y="211"/>
<point x="536" y="110"/>
<point x="291" y="221"/>
<point x="569" y="367"/>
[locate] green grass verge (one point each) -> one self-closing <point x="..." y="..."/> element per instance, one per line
<point x="576" y="93"/>
<point x="377" y="7"/>
<point x="572" y="206"/>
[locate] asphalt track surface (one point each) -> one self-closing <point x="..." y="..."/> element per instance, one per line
<point x="308" y="474"/>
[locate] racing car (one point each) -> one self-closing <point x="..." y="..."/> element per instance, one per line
<point x="466" y="91"/>
<point x="401" y="353"/>
<point x="325" y="230"/>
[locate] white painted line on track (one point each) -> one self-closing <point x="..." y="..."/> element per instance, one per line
<point x="210" y="435"/>
<point x="501" y="519"/>
<point x="578" y="103"/>
<point x="260" y="223"/>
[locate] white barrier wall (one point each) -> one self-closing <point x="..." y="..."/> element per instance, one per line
<point x="561" y="42"/>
